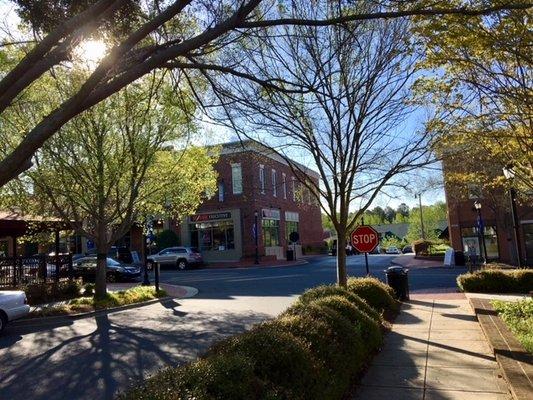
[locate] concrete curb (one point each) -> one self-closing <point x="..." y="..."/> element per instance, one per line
<point x="189" y="292"/>
<point x="73" y="317"/>
<point x="515" y="362"/>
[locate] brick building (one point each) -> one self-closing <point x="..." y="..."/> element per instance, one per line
<point x="253" y="179"/>
<point x="497" y="220"/>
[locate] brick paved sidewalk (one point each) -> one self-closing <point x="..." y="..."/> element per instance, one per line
<point x="435" y="351"/>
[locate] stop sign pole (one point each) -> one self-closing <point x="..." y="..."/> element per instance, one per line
<point x="364" y="239"/>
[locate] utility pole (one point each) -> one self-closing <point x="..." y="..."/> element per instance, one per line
<point x="423" y="234"/>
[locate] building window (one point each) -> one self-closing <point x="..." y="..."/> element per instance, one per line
<point x="284" y="183"/>
<point x="213" y="236"/>
<point x="290" y="226"/>
<point x="528" y="240"/>
<point x="270" y="232"/>
<point x="293" y="188"/>
<point x="472" y="246"/>
<point x="236" y="178"/>
<point x="274" y="182"/>
<point x="262" y="178"/>
<point x="221" y="192"/>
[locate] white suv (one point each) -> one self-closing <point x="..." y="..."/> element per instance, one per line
<point x="13" y="305"/>
<point x="180" y="257"/>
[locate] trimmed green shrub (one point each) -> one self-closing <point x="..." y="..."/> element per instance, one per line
<point x="222" y="377"/>
<point x="40" y="293"/>
<point x="497" y="281"/>
<point x="166" y="238"/>
<point x="336" y="342"/>
<point x="369" y="328"/>
<point x="376" y="293"/>
<point x="335" y="290"/>
<point x="421" y="246"/>
<point x="280" y="360"/>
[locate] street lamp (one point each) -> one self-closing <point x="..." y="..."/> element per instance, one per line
<point x="256" y="238"/>
<point x="480" y="229"/>
<point x="509" y="174"/>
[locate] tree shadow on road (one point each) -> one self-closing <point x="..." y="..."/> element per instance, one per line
<point x="96" y="357"/>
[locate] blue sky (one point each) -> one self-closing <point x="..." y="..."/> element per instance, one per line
<point x="217" y="134"/>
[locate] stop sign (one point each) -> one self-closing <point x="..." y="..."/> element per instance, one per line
<point x="364" y="239"/>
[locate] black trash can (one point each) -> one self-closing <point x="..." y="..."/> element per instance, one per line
<point x="459" y="258"/>
<point x="398" y="281"/>
<point x="290" y="255"/>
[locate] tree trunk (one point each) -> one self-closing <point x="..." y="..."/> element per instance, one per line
<point x="342" y="278"/>
<point x="100" y="286"/>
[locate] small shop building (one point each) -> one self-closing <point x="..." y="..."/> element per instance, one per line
<point x="258" y="194"/>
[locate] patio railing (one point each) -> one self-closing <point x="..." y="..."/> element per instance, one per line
<point x="19" y="271"/>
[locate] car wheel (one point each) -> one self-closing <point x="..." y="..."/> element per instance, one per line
<point x="111" y="278"/>
<point x="149" y="265"/>
<point x="3" y="321"/>
<point x="182" y="264"/>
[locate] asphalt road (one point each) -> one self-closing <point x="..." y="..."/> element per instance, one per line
<point x="94" y="358"/>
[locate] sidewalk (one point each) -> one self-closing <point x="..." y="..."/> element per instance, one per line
<point x="409" y="261"/>
<point x="435" y="351"/>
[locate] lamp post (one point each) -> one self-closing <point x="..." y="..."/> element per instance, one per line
<point x="509" y="174"/>
<point x="256" y="238"/>
<point x="148" y="244"/>
<point x="423" y="234"/>
<point x="480" y="229"/>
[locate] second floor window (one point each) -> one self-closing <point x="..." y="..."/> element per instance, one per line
<point x="221" y="192"/>
<point x="274" y="183"/>
<point x="262" y="178"/>
<point x="236" y="178"/>
<point x="284" y="183"/>
<point x="293" y="189"/>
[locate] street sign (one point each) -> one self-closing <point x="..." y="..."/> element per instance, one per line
<point x="364" y="239"/>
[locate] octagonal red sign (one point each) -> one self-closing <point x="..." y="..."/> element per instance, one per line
<point x="364" y="239"/>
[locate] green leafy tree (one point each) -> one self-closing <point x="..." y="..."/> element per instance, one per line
<point x="432" y="215"/>
<point x="114" y="165"/>
<point x="482" y="94"/>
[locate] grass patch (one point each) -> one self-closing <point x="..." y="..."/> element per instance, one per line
<point x="134" y="295"/>
<point x="518" y="315"/>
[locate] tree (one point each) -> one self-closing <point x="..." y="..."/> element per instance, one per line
<point x="181" y="35"/>
<point x="112" y="166"/>
<point x="390" y="214"/>
<point x="484" y="94"/>
<point x="403" y="210"/>
<point x="346" y="124"/>
<point x="433" y="216"/>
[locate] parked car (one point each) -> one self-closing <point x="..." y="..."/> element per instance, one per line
<point x="119" y="253"/>
<point x="85" y="267"/>
<point x="13" y="305"/>
<point x="407" y="249"/>
<point x="179" y="257"/>
<point x="377" y="250"/>
<point x="392" y="250"/>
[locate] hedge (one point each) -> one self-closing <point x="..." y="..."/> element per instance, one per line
<point x="377" y="294"/>
<point x="311" y="351"/>
<point x="497" y="281"/>
<point x="335" y="290"/>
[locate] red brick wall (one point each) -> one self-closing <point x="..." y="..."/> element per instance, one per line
<point x="252" y="199"/>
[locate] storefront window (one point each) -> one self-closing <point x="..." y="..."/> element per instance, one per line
<point x="528" y="239"/>
<point x="471" y="243"/>
<point x="291" y="226"/>
<point x="270" y="232"/>
<point x="213" y="236"/>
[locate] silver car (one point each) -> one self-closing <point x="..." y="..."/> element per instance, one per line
<point x="180" y="257"/>
<point x="13" y="305"/>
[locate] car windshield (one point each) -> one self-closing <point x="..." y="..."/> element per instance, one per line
<point x="112" y="262"/>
